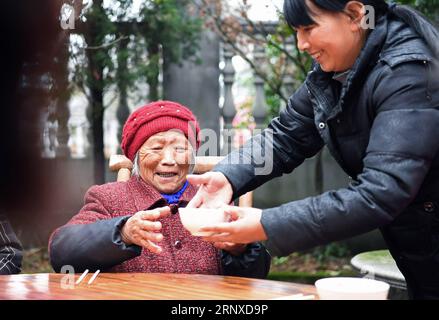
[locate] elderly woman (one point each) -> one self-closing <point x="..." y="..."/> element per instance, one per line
<point x="134" y="226"/>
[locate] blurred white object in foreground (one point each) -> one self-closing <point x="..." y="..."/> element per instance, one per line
<point x="345" y="288"/>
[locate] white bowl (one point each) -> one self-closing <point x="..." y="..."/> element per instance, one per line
<point x="195" y="218"/>
<point x="345" y="288"/>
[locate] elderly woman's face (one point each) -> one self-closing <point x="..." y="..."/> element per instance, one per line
<point x="164" y="161"/>
<point x="334" y="41"/>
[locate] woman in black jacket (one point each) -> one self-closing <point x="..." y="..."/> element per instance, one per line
<point x="372" y="98"/>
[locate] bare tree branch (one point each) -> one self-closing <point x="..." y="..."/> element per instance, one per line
<point x="238" y="31"/>
<point x="107" y="45"/>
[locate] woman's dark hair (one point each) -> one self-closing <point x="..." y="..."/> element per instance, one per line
<point x="297" y="13"/>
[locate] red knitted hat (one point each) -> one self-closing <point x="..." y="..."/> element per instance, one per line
<point x="155" y="117"/>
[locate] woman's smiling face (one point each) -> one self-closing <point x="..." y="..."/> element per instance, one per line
<point x="335" y="39"/>
<point x="164" y="161"/>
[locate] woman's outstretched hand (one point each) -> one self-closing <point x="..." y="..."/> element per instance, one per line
<point x="244" y="226"/>
<point x="215" y="190"/>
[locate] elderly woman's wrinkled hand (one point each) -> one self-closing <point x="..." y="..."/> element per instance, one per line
<point x="143" y="230"/>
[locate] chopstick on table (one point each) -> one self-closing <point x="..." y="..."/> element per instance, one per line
<point x="298" y="296"/>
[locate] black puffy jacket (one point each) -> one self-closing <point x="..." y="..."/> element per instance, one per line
<point x="382" y="127"/>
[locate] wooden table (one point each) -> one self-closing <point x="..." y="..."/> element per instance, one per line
<point x="115" y="286"/>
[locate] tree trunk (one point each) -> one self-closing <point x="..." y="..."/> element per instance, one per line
<point x="153" y="78"/>
<point x="96" y="86"/>
<point x="96" y="119"/>
<point x="62" y="96"/>
<point x="122" y="110"/>
<point x="98" y="135"/>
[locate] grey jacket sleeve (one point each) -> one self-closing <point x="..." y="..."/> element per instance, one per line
<point x="11" y="253"/>
<point x="285" y="144"/>
<point x="403" y="142"/>
<point x="253" y="263"/>
<point x="91" y="246"/>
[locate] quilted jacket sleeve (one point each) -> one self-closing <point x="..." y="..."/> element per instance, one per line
<point x="91" y="239"/>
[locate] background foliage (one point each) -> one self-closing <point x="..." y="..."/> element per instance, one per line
<point x="117" y="49"/>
